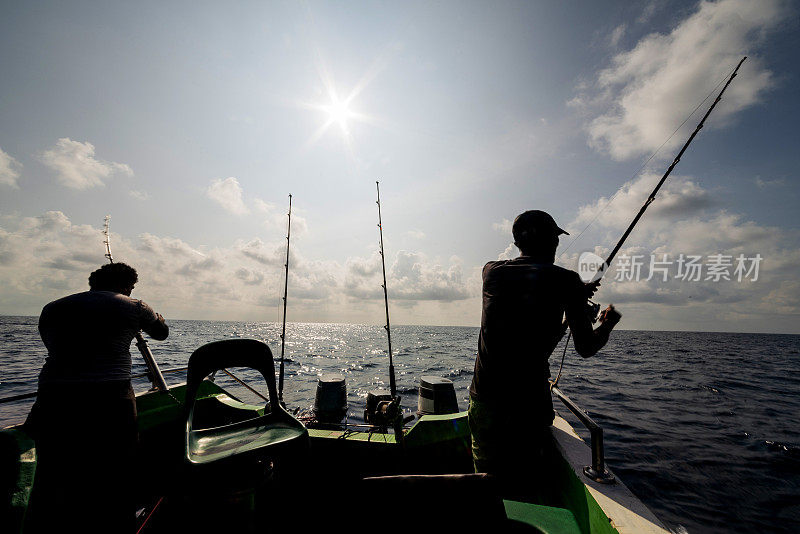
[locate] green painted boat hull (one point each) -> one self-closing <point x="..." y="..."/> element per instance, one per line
<point x="329" y="479"/>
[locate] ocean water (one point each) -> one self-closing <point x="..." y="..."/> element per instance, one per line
<point x="703" y="427"/>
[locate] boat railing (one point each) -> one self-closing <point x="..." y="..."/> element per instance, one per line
<point x="597" y="471"/>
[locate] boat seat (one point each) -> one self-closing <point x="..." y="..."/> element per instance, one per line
<point x="270" y="437"/>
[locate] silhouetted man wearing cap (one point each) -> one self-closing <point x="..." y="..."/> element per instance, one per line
<point x="524" y="301"/>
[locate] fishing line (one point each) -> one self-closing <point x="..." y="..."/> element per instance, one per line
<point x="554" y="383"/>
<point x="652" y="197"/>
<point x="144" y="523"/>
<point x="639" y="170"/>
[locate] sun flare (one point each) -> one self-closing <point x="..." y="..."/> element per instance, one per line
<point x="339" y="112"/>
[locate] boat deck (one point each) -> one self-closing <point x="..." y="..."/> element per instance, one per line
<point x="346" y="476"/>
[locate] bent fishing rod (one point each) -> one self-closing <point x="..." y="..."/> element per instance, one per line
<point x="392" y="385"/>
<point x="153" y="371"/>
<point x="285" y="295"/>
<point x="594" y="308"/>
<point x="653" y="194"/>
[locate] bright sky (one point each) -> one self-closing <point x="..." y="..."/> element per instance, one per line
<point x="191" y="123"/>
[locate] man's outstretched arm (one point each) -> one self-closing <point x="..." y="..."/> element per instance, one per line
<point x="153" y="323"/>
<point x="588" y="341"/>
<point x="158" y="329"/>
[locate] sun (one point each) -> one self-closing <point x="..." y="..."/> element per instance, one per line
<point x="339" y="112"/>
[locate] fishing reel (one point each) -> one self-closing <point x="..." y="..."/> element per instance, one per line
<point x="382" y="410"/>
<point x="592" y="311"/>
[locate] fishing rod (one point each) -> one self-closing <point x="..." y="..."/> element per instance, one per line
<point x="156" y="378"/>
<point x="388" y="412"/>
<point x="594" y="308"/>
<point x="107" y="241"/>
<point x="285" y="294"/>
<point x="652" y="196"/>
<point x="392" y="386"/>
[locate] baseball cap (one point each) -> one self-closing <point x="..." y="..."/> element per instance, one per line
<point x="534" y="223"/>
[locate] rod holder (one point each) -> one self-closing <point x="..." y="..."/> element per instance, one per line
<point x="156" y="378"/>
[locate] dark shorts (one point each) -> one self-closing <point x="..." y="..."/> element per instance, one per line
<point x="506" y="444"/>
<point x="86" y="437"/>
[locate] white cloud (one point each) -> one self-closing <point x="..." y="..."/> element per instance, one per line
<point x="76" y="166"/>
<point x="411" y="277"/>
<point x="617" y="35"/>
<point x="249" y="277"/>
<point x="503" y="226"/>
<point x="228" y="194"/>
<point x="138" y="195"/>
<point x="647" y="13"/>
<point x="364" y="267"/>
<point x="299" y="224"/>
<point x="680" y="196"/>
<point x="761" y="183"/>
<point x="509" y="253"/>
<point x="683" y="221"/>
<point x="46" y="257"/>
<point x="9" y="172"/>
<point x="263" y="253"/>
<point x="650" y="88"/>
<point x="263" y="206"/>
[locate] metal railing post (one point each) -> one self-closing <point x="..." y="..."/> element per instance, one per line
<point x="597" y="471"/>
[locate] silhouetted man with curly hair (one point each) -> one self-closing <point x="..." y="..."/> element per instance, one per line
<point x="84" y="418"/>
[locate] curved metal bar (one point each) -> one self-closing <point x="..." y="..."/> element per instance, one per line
<point x="597" y="471"/>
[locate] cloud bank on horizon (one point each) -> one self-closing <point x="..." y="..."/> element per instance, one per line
<point x="45" y="257"/>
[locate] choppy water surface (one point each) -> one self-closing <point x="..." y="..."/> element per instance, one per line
<point x="703" y="427"/>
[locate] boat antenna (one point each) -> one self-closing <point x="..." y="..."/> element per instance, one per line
<point x="392" y="385"/>
<point x="652" y="196"/>
<point x="285" y="294"/>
